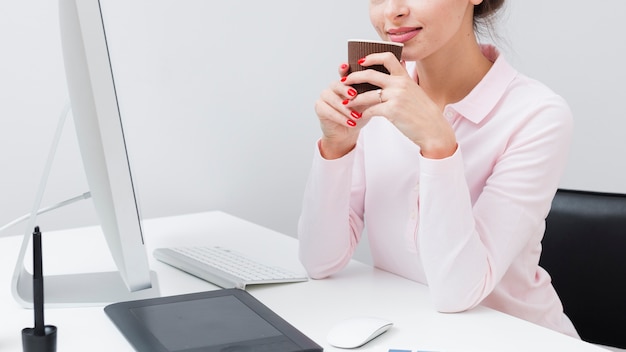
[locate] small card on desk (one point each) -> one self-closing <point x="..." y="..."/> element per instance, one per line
<point x="207" y="321"/>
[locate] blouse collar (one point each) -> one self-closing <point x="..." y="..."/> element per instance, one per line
<point x="489" y="91"/>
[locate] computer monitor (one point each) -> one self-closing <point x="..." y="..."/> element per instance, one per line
<point x="100" y="135"/>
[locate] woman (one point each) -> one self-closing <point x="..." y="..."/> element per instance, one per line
<point x="450" y="167"/>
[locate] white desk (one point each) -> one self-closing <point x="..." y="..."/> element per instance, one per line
<point x="312" y="306"/>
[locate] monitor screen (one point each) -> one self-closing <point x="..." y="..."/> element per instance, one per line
<point x="100" y="134"/>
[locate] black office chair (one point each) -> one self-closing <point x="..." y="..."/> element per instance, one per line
<point x="584" y="250"/>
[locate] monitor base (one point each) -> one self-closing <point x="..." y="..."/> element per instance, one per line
<point x="81" y="290"/>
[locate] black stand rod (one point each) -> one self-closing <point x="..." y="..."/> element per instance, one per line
<point x="41" y="338"/>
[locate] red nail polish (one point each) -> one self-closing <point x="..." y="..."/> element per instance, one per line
<point x="361" y="61"/>
<point x="356" y="115"/>
<point x="351" y="92"/>
<point x="343" y="79"/>
<point x="345" y="102"/>
<point x="344" y="66"/>
<point x="351" y="123"/>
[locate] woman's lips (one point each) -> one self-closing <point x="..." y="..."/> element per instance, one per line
<point x="401" y="35"/>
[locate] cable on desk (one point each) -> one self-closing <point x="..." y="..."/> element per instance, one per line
<point x="85" y="195"/>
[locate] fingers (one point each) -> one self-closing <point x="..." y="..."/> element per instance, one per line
<point x="334" y="105"/>
<point x="374" y="76"/>
<point x="344" y="68"/>
<point x="388" y="60"/>
<point x="328" y="114"/>
<point x="337" y="103"/>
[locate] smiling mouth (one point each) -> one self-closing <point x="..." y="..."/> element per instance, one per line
<point x="403" y="31"/>
<point x="402" y="35"/>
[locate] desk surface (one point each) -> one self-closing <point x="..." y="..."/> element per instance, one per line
<point x="311" y="306"/>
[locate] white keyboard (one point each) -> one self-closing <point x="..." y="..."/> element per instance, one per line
<point x="224" y="267"/>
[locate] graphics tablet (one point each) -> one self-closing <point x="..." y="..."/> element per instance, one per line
<point x="223" y="320"/>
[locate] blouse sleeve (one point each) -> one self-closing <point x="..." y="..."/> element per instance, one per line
<point x="468" y="245"/>
<point x="331" y="220"/>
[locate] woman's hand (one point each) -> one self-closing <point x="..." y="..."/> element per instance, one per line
<point x="339" y="121"/>
<point x="405" y="104"/>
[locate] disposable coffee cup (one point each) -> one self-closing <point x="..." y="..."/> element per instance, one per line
<point x="358" y="49"/>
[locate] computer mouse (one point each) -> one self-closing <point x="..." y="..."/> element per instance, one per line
<point x="356" y="332"/>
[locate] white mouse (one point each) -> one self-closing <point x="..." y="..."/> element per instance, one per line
<point x="356" y="332"/>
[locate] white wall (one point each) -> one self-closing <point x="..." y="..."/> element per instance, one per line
<point x="217" y="97"/>
<point x="578" y="49"/>
<point x="217" y="100"/>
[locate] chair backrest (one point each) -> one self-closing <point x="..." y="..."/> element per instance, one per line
<point x="584" y="251"/>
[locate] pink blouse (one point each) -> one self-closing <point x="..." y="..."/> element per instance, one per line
<point x="468" y="226"/>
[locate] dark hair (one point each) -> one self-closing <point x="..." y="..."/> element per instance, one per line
<point x="484" y="13"/>
<point x="487" y="8"/>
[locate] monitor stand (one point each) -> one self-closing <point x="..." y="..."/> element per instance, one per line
<point x="80" y="290"/>
<point x="71" y="290"/>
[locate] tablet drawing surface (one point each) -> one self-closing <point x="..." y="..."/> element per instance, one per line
<point x="223" y="320"/>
